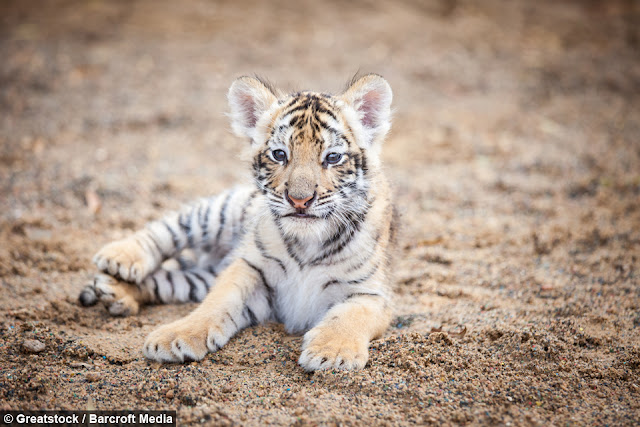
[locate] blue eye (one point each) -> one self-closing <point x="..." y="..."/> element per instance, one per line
<point x="279" y="155"/>
<point x="333" y="158"/>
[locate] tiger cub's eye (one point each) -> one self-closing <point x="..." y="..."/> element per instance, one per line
<point x="279" y="155"/>
<point x="333" y="158"/>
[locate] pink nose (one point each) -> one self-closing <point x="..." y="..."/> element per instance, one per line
<point x="300" y="203"/>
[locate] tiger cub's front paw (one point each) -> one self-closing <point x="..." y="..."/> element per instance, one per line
<point x="186" y="339"/>
<point x="120" y="299"/>
<point x="125" y="259"/>
<point x="325" y="348"/>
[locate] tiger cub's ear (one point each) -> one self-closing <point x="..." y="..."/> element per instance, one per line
<point x="249" y="98"/>
<point x="370" y="96"/>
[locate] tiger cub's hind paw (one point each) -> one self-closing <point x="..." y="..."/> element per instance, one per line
<point x="120" y="299"/>
<point x="125" y="259"/>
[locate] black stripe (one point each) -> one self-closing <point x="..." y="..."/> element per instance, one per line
<point x="329" y="283"/>
<point x="366" y="276"/>
<point x="288" y="244"/>
<point x="345" y="140"/>
<point x="326" y="254"/>
<point x="200" y="206"/>
<point x="280" y="128"/>
<point x="169" y="277"/>
<point x="223" y="215"/>
<point x="337" y="235"/>
<point x="324" y="196"/>
<point x="245" y="206"/>
<point x="363" y="261"/>
<point x="341" y="239"/>
<point x="353" y="221"/>
<point x="211" y="270"/>
<point x="205" y="224"/>
<point x="360" y="294"/>
<point x="343" y="244"/>
<point x="144" y="243"/>
<point x="174" y="236"/>
<point x="155" y="242"/>
<point x="247" y="312"/>
<point x="156" y="291"/>
<point x="270" y="192"/>
<point x="364" y="167"/>
<point x="264" y="253"/>
<point x="326" y="126"/>
<point x="327" y="112"/>
<point x="232" y="320"/>
<point x="186" y="228"/>
<point x="258" y="164"/>
<point x="294" y="109"/>
<point x="206" y="284"/>
<point x="295" y="120"/>
<point x="264" y="282"/>
<point x="315" y="130"/>
<point x="257" y="270"/>
<point x="192" y="288"/>
<point x="292" y="102"/>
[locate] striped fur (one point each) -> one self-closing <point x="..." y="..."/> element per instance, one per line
<point x="307" y="245"/>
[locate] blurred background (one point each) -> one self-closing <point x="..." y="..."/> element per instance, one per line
<point x="133" y="93"/>
<point x="514" y="152"/>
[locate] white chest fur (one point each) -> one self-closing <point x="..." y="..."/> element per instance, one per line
<point x="302" y="291"/>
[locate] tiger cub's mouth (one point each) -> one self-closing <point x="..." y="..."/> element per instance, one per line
<point x="300" y="213"/>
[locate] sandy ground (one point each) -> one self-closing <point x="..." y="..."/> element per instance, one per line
<point x="515" y="157"/>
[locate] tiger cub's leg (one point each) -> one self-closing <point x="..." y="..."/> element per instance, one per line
<point x="240" y="298"/>
<point x="132" y="259"/>
<point x="162" y="287"/>
<point x="341" y="339"/>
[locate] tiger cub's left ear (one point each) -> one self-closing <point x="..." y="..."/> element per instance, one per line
<point x="249" y="98"/>
<point x="370" y="96"/>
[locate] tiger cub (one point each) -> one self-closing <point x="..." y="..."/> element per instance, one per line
<point x="307" y="245"/>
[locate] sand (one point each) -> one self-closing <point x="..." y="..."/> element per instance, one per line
<point x="514" y="157"/>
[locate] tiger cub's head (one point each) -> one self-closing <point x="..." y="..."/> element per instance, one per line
<point x="315" y="156"/>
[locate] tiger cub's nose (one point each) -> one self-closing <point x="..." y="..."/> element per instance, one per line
<point x="301" y="203"/>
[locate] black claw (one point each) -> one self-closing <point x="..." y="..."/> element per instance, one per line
<point x="324" y="359"/>
<point x="88" y="297"/>
<point x="156" y="348"/>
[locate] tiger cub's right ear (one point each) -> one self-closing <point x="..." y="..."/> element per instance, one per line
<point x="249" y="98"/>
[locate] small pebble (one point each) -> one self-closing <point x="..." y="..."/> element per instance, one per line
<point x="33" y="346"/>
<point x="226" y="389"/>
<point x="79" y="365"/>
<point x="92" y="376"/>
<point x="170" y="394"/>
